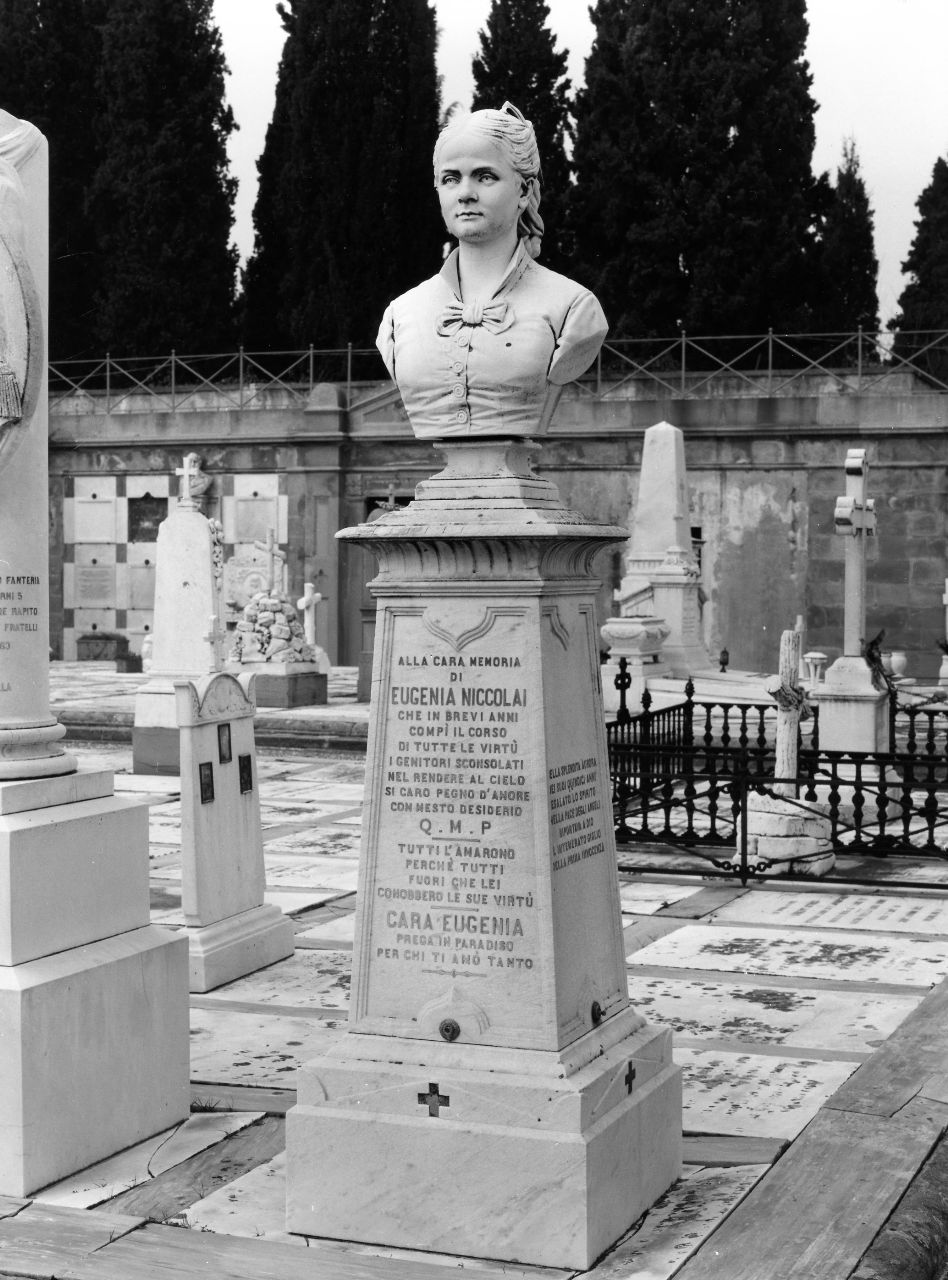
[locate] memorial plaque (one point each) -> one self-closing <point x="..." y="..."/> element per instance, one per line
<point x="223" y="744"/>
<point x="245" y="765"/>
<point x="253" y="518"/>
<point x="141" y="586"/>
<point x="842" y="911"/>
<point x="94" y="586"/>
<point x="206" y="775"/>
<point x="244" y="576"/>
<point x="145" y="514"/>
<point x="476" y="819"/>
<point x="94" y="520"/>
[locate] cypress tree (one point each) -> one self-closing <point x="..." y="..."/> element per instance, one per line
<point x="518" y="62"/>
<point x="162" y="200"/>
<point x="848" y="263"/>
<point x="695" y="201"/>
<point x="346" y="216"/>
<point x="52" y="49"/>
<point x="923" y="303"/>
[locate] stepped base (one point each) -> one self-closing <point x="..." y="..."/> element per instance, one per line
<point x="238" y="945"/>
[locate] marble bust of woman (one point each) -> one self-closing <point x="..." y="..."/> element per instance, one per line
<point x="485" y="347"/>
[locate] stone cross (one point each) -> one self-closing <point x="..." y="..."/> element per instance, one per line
<point x="791" y="706"/>
<point x="274" y="557"/>
<point x="308" y="602"/>
<point x="216" y="637"/>
<point x="855" y="518"/>
<point x="187" y="473"/>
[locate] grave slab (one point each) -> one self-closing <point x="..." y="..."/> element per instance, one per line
<point x="306" y="980"/>
<point x="841" y="911"/>
<point x="239" y="1048"/>
<point x="753" y="1095"/>
<point x="677" y="1224"/>
<point x="833" y="955"/>
<point x="808" y="1018"/>
<point x="339" y="929"/>
<point x="313" y="842"/>
<point x="108" y="1178"/>
<point x="645" y="898"/>
<point x="323" y="873"/>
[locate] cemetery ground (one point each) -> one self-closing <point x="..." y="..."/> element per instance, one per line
<point x="811" y="1021"/>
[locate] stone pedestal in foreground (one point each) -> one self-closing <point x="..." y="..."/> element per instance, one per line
<point x="495" y="1094"/>
<point x="93" y="999"/>
<point x="286" y="684"/>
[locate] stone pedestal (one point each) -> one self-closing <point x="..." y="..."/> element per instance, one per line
<point x="286" y="684"/>
<point x="231" y="930"/>
<point x="639" y="641"/>
<point x="93" y="999"/>
<point x="495" y="1094"/>
<point x="854" y="714"/>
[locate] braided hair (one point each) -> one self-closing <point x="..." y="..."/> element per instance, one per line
<point x="510" y="131"/>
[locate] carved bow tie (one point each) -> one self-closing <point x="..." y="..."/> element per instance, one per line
<point x="496" y="316"/>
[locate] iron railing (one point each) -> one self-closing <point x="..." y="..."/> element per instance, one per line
<point x="682" y="367"/>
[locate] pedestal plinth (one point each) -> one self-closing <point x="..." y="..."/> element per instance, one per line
<point x="495" y="1094"/>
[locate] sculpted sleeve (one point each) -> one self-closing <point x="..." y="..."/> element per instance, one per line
<point x="386" y="340"/>
<point x="580" y="338"/>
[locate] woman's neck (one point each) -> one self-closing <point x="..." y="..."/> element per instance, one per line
<point x="481" y="268"/>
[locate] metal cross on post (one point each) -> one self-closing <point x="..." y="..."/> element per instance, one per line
<point x="186" y="471"/>
<point x="791" y="707"/>
<point x="307" y="603"/>
<point x="215" y="637"/>
<point x="274" y="557"/>
<point x="855" y="516"/>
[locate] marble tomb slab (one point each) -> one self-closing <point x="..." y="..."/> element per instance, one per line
<point x="351" y="792"/>
<point x="323" y="873"/>
<point x="146" y="1160"/>
<point x="290" y="903"/>
<point x="752" y="1095"/>
<point x="911" y="871"/>
<point x="841" y="911"/>
<point x="306" y="980"/>
<point x="678" y="1224"/>
<point x="807" y="1018"/>
<point x="630" y="855"/>
<point x="312" y="842"/>
<point x="336" y="929"/>
<point x="146" y="784"/>
<point x="262" y="1049"/>
<point x="833" y="955"/>
<point x="645" y="898"/>
<point x="274" y="811"/>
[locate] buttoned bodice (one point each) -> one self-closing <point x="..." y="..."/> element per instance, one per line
<point x="492" y="369"/>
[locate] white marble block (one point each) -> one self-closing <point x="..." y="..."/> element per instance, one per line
<point x="493" y="1066"/>
<point x="231" y="930"/>
<point x="94" y="1054"/>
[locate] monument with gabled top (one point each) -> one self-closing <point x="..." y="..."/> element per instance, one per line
<point x="93" y="998"/>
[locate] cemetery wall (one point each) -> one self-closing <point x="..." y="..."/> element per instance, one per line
<point x="764" y="474"/>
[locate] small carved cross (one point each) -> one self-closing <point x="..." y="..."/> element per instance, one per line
<point x="308" y="602"/>
<point x="630" y="1078"/>
<point x="433" y="1100"/>
<point x="275" y="557"/>
<point x="855" y="518"/>
<point x="216" y="637"/>
<point x="186" y="473"/>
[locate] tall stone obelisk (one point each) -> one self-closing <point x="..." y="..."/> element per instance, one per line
<point x="495" y="1094"/>
<point x="93" y="999"/>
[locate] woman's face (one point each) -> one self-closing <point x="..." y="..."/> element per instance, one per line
<point x="481" y="193"/>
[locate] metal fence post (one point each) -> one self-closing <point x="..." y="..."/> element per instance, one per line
<point x="240" y="377"/>
<point x="311" y="367"/>
<point x="108" y="384"/>
<point x="859" y="359"/>
<point x="348" y="374"/>
<point x="173" y="381"/>
<point x="684" y="359"/>
<point x="770" y="361"/>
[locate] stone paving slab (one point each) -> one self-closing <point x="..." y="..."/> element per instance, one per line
<point x="305" y="980"/>
<point x="877" y="913"/>
<point x="836" y="956"/>
<point x="262" y="1048"/>
<point x="644" y="898"/>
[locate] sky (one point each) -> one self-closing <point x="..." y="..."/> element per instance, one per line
<point x="878" y="77"/>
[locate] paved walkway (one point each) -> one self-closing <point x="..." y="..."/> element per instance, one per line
<point x="811" y="1023"/>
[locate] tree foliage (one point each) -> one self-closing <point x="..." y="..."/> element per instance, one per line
<point x="346" y="216"/>
<point x="162" y="199"/>
<point x="518" y="62"/>
<point x="51" y="52"/>
<point x="847" y="298"/>
<point x="923" y="303"/>
<point x="695" y="204"/>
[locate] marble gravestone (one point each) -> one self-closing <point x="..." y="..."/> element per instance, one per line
<point x="88" y="1066"/>
<point x="231" y="931"/>
<point x="188" y="589"/>
<point x="492" y="1066"/>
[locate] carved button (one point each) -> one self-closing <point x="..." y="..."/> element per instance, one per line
<point x="463" y="339"/>
<point x="461" y="415"/>
<point x="458" y="391"/>
<point x="459" y="366"/>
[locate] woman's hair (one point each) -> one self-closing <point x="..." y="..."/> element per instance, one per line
<point x="514" y="135"/>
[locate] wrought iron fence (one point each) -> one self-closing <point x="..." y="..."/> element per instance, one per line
<point x="680" y="367"/>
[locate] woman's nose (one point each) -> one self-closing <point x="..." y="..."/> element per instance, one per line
<point x="467" y="191"/>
